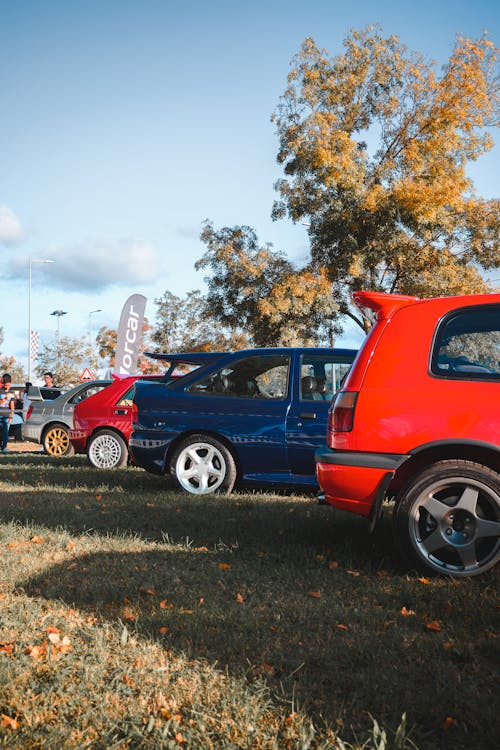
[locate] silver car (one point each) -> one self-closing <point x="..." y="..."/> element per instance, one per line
<point x="48" y="422"/>
<point x="37" y="393"/>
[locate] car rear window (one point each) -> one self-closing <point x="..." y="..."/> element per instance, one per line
<point x="467" y="344"/>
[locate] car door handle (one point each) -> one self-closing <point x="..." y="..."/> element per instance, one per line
<point x="121" y="411"/>
<point x="308" y="415"/>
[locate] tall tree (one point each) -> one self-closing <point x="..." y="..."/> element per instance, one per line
<point x="66" y="359"/>
<point x="375" y="146"/>
<point x="188" y="324"/>
<point x="255" y="289"/>
<point x="14" y="368"/>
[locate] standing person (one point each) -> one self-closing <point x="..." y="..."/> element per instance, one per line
<point x="6" y="402"/>
<point x="48" y="379"/>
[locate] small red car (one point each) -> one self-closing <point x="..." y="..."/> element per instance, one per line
<point x="417" y="420"/>
<point x="102" y="423"/>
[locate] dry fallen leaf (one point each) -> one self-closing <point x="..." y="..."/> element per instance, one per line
<point x="314" y="594"/>
<point x="449" y="722"/>
<point x="163" y="630"/>
<point x="434" y="625"/>
<point x="8" y="721"/>
<point x="36" y="652"/>
<point x="425" y="581"/>
<point x="341" y="626"/>
<point x="224" y="566"/>
<point x="37" y="540"/>
<point x="407" y="612"/>
<point x="239" y="598"/>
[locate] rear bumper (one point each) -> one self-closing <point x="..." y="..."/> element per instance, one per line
<point x="78" y="440"/>
<point x="356" y="481"/>
<point x="31" y="432"/>
<point x="148" y="450"/>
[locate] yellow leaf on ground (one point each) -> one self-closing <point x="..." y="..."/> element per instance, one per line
<point x="8" y="721"/>
<point x="407" y="612"/>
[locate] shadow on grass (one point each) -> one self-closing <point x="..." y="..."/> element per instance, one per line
<point x="343" y="654"/>
<point x="276" y="587"/>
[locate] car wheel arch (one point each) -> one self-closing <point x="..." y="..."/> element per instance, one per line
<point x="445" y="450"/>
<point x="106" y="428"/>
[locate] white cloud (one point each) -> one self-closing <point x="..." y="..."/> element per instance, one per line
<point x="11" y="230"/>
<point x="97" y="265"/>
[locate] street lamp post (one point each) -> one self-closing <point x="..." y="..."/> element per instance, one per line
<point x="90" y="325"/>
<point x="58" y="314"/>
<point x="30" y="261"/>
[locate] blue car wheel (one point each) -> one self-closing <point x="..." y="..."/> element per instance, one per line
<point x="201" y="464"/>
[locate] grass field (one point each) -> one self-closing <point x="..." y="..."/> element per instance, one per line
<point x="132" y="616"/>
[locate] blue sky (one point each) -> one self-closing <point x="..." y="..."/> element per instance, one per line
<point x="125" y="123"/>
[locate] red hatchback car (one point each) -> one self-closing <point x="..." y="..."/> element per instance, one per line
<point x="417" y="420"/>
<point x="102" y="423"/>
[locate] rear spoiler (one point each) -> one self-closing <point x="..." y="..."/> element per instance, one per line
<point x="200" y="358"/>
<point x="196" y="359"/>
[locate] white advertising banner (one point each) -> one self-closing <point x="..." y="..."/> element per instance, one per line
<point x="129" y="335"/>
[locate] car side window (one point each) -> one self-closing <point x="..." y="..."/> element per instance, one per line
<point x="127" y="398"/>
<point x="86" y="393"/>
<point x="259" y="376"/>
<point x="467" y="345"/>
<point x="321" y="376"/>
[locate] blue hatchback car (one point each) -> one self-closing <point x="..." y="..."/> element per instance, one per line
<point x="253" y="416"/>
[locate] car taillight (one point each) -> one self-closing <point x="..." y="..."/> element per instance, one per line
<point x="341" y="416"/>
<point x="29" y="412"/>
<point x="135" y="413"/>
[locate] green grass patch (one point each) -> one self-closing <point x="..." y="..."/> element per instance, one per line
<point x="133" y="616"/>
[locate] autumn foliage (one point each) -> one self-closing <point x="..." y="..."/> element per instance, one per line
<point x="375" y="146"/>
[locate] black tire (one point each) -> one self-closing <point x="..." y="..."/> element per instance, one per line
<point x="202" y="464"/>
<point x="56" y="442"/>
<point x="447" y="519"/>
<point x="107" y="450"/>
